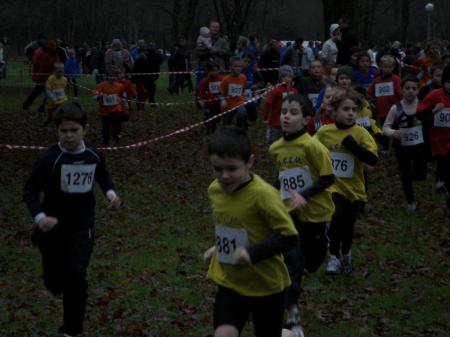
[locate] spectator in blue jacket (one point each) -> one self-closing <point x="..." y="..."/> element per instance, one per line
<point x="72" y="71"/>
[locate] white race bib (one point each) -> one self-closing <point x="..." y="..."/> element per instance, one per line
<point x="227" y="240"/>
<point x="442" y="118"/>
<point x="296" y="179"/>
<point x="343" y="164"/>
<point x="313" y="98"/>
<point x="412" y="136"/>
<point x="109" y="100"/>
<point x="214" y="87"/>
<point x="58" y="94"/>
<point x="77" y="178"/>
<point x="363" y="122"/>
<point x="234" y="90"/>
<point x="384" y="89"/>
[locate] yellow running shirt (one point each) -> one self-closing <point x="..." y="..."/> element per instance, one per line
<point x="246" y="217"/>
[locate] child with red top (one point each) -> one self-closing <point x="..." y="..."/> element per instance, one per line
<point x="130" y="95"/>
<point x="208" y="94"/>
<point x="323" y="115"/>
<point x="272" y="107"/>
<point x="232" y="94"/>
<point x="110" y="94"/>
<point x="385" y="91"/>
<point x="435" y="110"/>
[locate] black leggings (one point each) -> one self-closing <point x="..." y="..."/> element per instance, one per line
<point x="443" y="169"/>
<point x="342" y="225"/>
<point x="234" y="309"/>
<point x="413" y="167"/>
<point x="111" y="124"/>
<point x="65" y="258"/>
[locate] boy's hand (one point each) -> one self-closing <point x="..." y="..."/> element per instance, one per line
<point x="209" y="253"/>
<point x="397" y="134"/>
<point x="47" y="223"/>
<point x="296" y="200"/>
<point x="438" y="107"/>
<point x="114" y="202"/>
<point x="242" y="256"/>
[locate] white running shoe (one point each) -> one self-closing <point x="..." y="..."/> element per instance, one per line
<point x="297" y="331"/>
<point x="293" y="315"/>
<point x="333" y="265"/>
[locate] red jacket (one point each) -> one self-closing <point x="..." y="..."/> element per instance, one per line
<point x="36" y="64"/>
<point x="208" y="90"/>
<point x="272" y="107"/>
<point x="386" y="93"/>
<point x="439" y="136"/>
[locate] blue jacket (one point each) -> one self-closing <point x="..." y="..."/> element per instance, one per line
<point x="72" y="68"/>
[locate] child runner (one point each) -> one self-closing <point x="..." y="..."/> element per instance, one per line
<point x="402" y="125"/>
<point x="435" y="110"/>
<point x="385" y="91"/>
<point x="254" y="82"/>
<point x="55" y="89"/>
<point x="64" y="220"/>
<point x="72" y="71"/>
<point x="365" y="73"/>
<point x="324" y="114"/>
<point x="129" y="94"/>
<point x="232" y="94"/>
<point x="434" y="83"/>
<point x="350" y="146"/>
<point x="305" y="173"/>
<point x="364" y="114"/>
<point x="110" y="94"/>
<point x="272" y="107"/>
<point x="208" y="95"/>
<point x="252" y="229"/>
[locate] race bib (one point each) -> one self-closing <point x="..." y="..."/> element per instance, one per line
<point x="109" y="100"/>
<point x="58" y="94"/>
<point x="234" y="90"/>
<point x="384" y="89"/>
<point x="313" y="98"/>
<point x="442" y="118"/>
<point x="214" y="87"/>
<point x="363" y="122"/>
<point x="227" y="240"/>
<point x="412" y="136"/>
<point x="297" y="179"/>
<point x="343" y="164"/>
<point x="77" y="178"/>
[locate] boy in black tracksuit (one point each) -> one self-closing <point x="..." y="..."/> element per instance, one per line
<point x="64" y="220"/>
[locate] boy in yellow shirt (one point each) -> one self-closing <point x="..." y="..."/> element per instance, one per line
<point x="351" y="148"/>
<point x="305" y="173"/>
<point x="56" y="90"/>
<point x="252" y="229"/>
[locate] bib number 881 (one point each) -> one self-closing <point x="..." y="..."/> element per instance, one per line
<point x="225" y="245"/>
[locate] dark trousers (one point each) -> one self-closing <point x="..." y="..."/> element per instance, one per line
<point x="241" y="117"/>
<point x="309" y="254"/>
<point x="342" y="225"/>
<point x="231" y="308"/>
<point x="413" y="167"/>
<point x="38" y="89"/>
<point x="111" y="125"/>
<point x="65" y="258"/>
<point x="443" y="169"/>
<point x="251" y="112"/>
<point x="74" y="86"/>
<point x="151" y="89"/>
<point x="211" y="111"/>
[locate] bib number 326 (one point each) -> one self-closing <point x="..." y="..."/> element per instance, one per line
<point x="227" y="240"/>
<point x="343" y="164"/>
<point x="77" y="178"/>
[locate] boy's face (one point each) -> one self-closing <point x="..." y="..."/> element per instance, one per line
<point x="410" y="90"/>
<point x="246" y="62"/>
<point x="71" y="135"/>
<point x="364" y="62"/>
<point x="286" y="79"/>
<point x="291" y="117"/>
<point x="344" y="81"/>
<point x="437" y="76"/>
<point x="386" y="68"/>
<point x="236" y="67"/>
<point x="213" y="72"/>
<point x="59" y="72"/>
<point x="346" y="112"/>
<point x="231" y="172"/>
<point x="316" y="69"/>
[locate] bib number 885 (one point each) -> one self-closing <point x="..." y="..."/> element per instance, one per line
<point x="293" y="183"/>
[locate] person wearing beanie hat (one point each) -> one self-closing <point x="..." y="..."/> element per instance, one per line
<point x="272" y="107"/>
<point x="329" y="48"/>
<point x="435" y="110"/>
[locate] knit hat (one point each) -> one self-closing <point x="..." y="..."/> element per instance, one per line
<point x="204" y="31"/>
<point x="345" y="70"/>
<point x="446" y="75"/>
<point x="333" y="27"/>
<point x="285" y="70"/>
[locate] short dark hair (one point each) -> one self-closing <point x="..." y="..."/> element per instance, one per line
<point x="230" y="141"/>
<point x="234" y="59"/>
<point x="71" y="111"/>
<point x="301" y="100"/>
<point x="410" y="78"/>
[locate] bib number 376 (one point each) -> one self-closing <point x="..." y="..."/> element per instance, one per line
<point x="227" y="240"/>
<point x="343" y="164"/>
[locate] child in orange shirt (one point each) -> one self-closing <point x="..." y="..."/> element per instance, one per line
<point x="110" y="94"/>
<point x="232" y="94"/>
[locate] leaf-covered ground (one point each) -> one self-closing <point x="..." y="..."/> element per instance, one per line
<point x="146" y="276"/>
